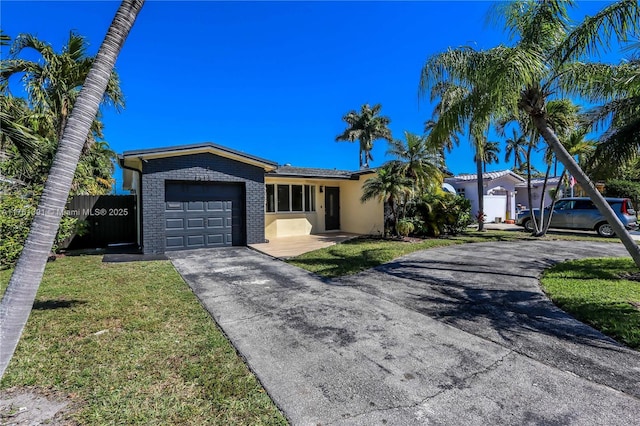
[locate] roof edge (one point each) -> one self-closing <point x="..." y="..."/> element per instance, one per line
<point x="187" y="149"/>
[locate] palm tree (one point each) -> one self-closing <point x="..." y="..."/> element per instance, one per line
<point x="20" y="294"/>
<point x="544" y="59"/>
<point x="448" y="94"/>
<point x="390" y="186"/>
<point x="419" y="160"/>
<point x="619" y="146"/>
<point x="490" y="152"/>
<point x="53" y="83"/>
<point x="447" y="144"/>
<point x="516" y="145"/>
<point x="366" y="127"/>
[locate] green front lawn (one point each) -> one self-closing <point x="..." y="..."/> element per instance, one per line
<point x="595" y="292"/>
<point x="353" y="256"/>
<point x="131" y="344"/>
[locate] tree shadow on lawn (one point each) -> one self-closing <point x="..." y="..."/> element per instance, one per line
<point x="505" y="308"/>
<point x="44" y="305"/>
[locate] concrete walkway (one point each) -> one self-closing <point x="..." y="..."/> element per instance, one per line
<point x="286" y="247"/>
<point x="458" y="335"/>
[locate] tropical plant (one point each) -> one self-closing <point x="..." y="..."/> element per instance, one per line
<point x="490" y="152"/>
<point x="24" y="282"/>
<point x="445" y="145"/>
<point x="438" y="213"/>
<point x="545" y="58"/>
<point x="419" y="159"/>
<point x="17" y="209"/>
<point x="405" y="227"/>
<point x="52" y="83"/>
<point x="366" y="127"/>
<point x="390" y="186"/>
<point x="516" y="145"/>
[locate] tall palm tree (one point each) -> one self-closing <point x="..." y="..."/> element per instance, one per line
<point x="366" y="127"/>
<point x="390" y="186"/>
<point x="516" y="145"/>
<point x="20" y="294"/>
<point x="449" y="94"/>
<point x="490" y="152"/>
<point x="53" y="83"/>
<point x="418" y="159"/>
<point x="545" y="58"/>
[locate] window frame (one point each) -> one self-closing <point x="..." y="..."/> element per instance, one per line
<point x="307" y="201"/>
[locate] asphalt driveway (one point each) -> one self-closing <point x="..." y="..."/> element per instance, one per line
<point x="458" y="335"/>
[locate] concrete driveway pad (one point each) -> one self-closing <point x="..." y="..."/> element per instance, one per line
<point x="457" y="335"/>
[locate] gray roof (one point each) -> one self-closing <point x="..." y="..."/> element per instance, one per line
<point x="308" y="172"/>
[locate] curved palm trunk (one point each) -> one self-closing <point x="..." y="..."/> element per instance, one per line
<point x="534" y="220"/>
<point x="543" y="197"/>
<point x="20" y="294"/>
<point x="572" y="166"/>
<point x="555" y="198"/>
<point x="480" y="196"/>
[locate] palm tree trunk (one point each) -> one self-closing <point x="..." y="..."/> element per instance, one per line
<point x="529" y="188"/>
<point x="543" y="196"/>
<point x="574" y="169"/>
<point x="20" y="294"/>
<point x="480" y="195"/>
<point x="556" y="196"/>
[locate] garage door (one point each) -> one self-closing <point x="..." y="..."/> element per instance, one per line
<point x="201" y="215"/>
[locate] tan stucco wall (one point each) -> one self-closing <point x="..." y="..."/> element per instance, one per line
<point x="355" y="217"/>
<point x="290" y="224"/>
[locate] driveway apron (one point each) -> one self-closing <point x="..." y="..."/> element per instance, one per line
<point x="458" y="335"/>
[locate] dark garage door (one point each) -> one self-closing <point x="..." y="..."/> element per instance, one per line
<point x="204" y="215"/>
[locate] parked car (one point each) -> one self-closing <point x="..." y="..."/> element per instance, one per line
<point x="581" y="213"/>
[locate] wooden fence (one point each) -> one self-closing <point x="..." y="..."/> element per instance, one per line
<point x="108" y="220"/>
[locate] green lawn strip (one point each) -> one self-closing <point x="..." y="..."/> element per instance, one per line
<point x="595" y="292"/>
<point x="353" y="256"/>
<point x="133" y="345"/>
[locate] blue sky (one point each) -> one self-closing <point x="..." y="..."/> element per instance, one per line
<point x="269" y="78"/>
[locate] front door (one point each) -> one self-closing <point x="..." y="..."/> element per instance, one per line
<point x="331" y="208"/>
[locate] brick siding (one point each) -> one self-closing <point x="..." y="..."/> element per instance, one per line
<point x="198" y="168"/>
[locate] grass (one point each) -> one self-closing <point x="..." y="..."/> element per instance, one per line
<point x="132" y="345"/>
<point x="353" y="256"/>
<point x="595" y="292"/>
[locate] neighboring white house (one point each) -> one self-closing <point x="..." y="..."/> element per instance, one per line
<point x="499" y="193"/>
<point x="522" y="197"/>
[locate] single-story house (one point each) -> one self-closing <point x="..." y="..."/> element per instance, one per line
<point x="499" y="190"/>
<point x="207" y="195"/>
<point x="522" y="196"/>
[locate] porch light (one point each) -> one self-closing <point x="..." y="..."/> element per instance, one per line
<point x="321" y="189"/>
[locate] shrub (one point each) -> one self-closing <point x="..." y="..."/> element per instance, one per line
<point x="405" y="227"/>
<point x="441" y="213"/>
<point x="17" y="210"/>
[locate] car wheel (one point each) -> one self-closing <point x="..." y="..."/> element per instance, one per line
<point x="605" y="230"/>
<point x="528" y="225"/>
